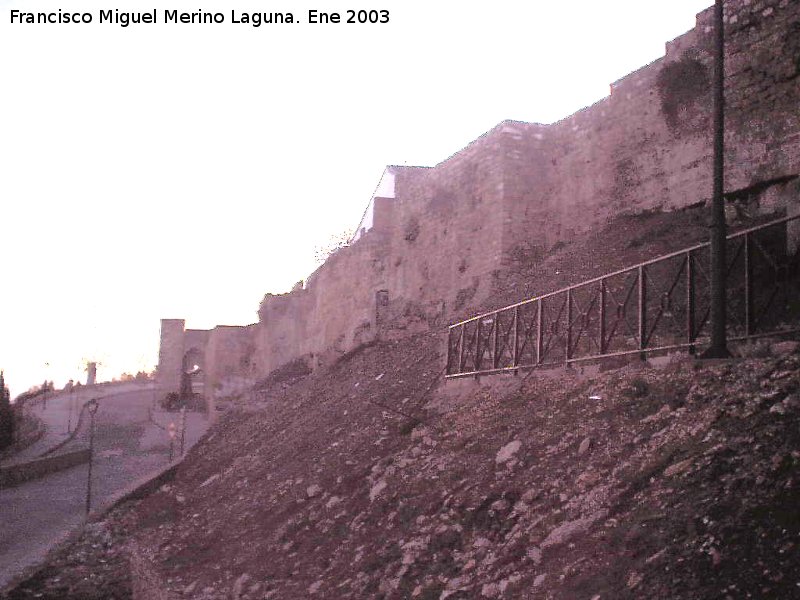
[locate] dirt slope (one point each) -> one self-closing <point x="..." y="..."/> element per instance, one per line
<point x="625" y="241"/>
<point x="638" y="483"/>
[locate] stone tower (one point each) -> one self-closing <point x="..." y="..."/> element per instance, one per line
<point x="170" y="355"/>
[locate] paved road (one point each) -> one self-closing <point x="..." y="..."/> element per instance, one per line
<point x="59" y="413"/>
<point x="128" y="446"/>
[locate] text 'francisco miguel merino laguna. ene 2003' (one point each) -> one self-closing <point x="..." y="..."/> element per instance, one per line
<point x="124" y="19"/>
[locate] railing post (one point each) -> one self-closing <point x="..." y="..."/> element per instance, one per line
<point x="539" y="331"/>
<point x="515" y="342"/>
<point x="748" y="287"/>
<point x="478" y="353"/>
<point x="450" y="353"/>
<point x="602" y="316"/>
<point x="494" y="341"/>
<point x="568" y="348"/>
<point x="642" y="310"/>
<point x="461" y="349"/>
<point x="690" y="304"/>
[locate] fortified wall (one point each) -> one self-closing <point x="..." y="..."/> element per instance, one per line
<point x="435" y="242"/>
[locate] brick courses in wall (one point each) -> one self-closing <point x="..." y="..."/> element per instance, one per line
<point x="435" y="248"/>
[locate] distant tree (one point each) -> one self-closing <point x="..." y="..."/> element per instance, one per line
<point x="6" y="415"/>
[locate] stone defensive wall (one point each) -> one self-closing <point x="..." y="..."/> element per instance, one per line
<point x="438" y="239"/>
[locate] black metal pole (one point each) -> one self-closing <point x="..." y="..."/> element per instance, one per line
<point x="719" y="342"/>
<point x="69" y="411"/>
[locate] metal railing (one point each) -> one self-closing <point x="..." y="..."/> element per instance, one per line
<point x="659" y="305"/>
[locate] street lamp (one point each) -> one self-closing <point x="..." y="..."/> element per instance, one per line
<point x="172" y="431"/>
<point x="70" y="405"/>
<point x="92" y="406"/>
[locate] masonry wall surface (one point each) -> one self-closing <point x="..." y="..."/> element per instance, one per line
<point x="228" y="362"/>
<point x="648" y="145"/>
<point x="447" y="230"/>
<point x="194" y="345"/>
<point x="334" y="312"/>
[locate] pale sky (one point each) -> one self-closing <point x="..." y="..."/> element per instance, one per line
<point x="182" y="171"/>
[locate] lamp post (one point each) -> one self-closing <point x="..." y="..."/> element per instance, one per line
<point x="719" y="267"/>
<point x="172" y="431"/>
<point x="183" y="429"/>
<point x="70" y="404"/>
<point x="92" y="406"/>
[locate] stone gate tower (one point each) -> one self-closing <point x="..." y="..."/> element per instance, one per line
<point x="170" y="355"/>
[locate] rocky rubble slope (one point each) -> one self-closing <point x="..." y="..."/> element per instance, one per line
<point x="364" y="482"/>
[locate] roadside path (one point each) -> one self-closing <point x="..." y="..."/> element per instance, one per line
<point x="59" y="413"/>
<point x="128" y="446"/>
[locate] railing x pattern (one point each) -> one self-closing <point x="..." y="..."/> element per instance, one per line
<point x="659" y="305"/>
